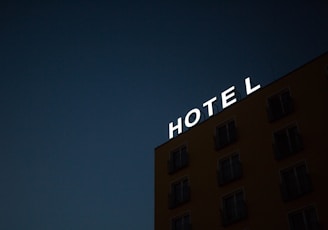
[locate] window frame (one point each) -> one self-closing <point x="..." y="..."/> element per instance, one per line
<point x="279" y="106"/>
<point x="182" y="154"/>
<point x="235" y="168"/>
<point x="286" y="142"/>
<point x="179" y="192"/>
<point x="301" y="183"/>
<point x="239" y="207"/>
<point x="225" y="134"/>
<point x="184" y="226"/>
<point x="315" y="224"/>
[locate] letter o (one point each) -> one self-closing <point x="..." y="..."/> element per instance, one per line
<point x="196" y="120"/>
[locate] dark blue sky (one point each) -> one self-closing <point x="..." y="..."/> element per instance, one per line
<point x="87" y="90"/>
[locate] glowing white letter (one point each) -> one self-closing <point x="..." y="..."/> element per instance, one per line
<point x="173" y="128"/>
<point x="249" y="88"/>
<point x="196" y="120"/>
<point x="209" y="105"/>
<point x="226" y="95"/>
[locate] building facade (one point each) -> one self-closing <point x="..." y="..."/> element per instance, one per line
<point x="258" y="164"/>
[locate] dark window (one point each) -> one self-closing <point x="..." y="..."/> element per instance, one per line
<point x="229" y="169"/>
<point x="304" y="219"/>
<point x="225" y="134"/>
<point x="287" y="142"/>
<point x="181" y="223"/>
<point x="295" y="182"/>
<point x="180" y="193"/>
<point x="280" y="105"/>
<point x="178" y="159"/>
<point x="234" y="208"/>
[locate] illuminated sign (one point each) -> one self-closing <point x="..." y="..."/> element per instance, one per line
<point x="228" y="97"/>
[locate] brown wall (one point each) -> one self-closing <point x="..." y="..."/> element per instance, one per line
<point x="261" y="171"/>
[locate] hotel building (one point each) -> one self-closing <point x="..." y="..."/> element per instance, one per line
<point x="261" y="163"/>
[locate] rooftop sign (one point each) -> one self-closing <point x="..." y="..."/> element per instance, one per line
<point x="228" y="97"/>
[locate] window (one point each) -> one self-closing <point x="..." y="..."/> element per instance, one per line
<point x="181" y="223"/>
<point x="280" y="105"/>
<point x="180" y="193"/>
<point x="178" y="159"/>
<point x="229" y="169"/>
<point x="295" y="182"/>
<point x="234" y="208"/>
<point x="287" y="142"/>
<point x="304" y="219"/>
<point x="225" y="134"/>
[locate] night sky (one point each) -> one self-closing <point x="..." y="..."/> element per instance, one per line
<point x="87" y="89"/>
